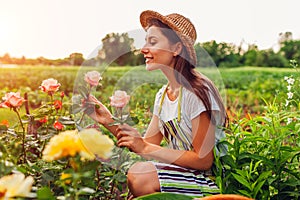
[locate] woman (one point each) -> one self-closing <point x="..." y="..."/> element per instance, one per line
<point x="188" y="114"/>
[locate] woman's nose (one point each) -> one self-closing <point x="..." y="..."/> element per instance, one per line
<point x="144" y="49"/>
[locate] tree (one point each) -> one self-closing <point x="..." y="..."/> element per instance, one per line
<point x="291" y="50"/>
<point x="284" y="37"/>
<point x="117" y="48"/>
<point x="6" y="59"/>
<point x="76" y="59"/>
<point x="250" y="56"/>
<point x="223" y="54"/>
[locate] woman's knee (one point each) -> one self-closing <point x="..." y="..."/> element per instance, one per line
<point x="142" y="179"/>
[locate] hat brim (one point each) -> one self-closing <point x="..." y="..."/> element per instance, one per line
<point x="147" y="15"/>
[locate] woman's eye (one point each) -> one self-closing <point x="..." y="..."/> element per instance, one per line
<point x="152" y="42"/>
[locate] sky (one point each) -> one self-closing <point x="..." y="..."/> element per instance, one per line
<point x="56" y="28"/>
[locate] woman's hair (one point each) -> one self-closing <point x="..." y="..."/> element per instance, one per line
<point x="192" y="80"/>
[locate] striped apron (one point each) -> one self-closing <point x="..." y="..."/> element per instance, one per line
<point x="176" y="179"/>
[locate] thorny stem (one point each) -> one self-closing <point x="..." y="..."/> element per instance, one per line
<point x="85" y="100"/>
<point x="81" y="118"/>
<point x="23" y="134"/>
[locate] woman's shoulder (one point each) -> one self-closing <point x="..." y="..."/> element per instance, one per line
<point x="190" y="98"/>
<point x="189" y="95"/>
<point x="161" y="91"/>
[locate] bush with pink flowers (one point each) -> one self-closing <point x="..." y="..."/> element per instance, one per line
<point x="61" y="157"/>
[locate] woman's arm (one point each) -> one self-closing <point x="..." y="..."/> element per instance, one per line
<point x="153" y="134"/>
<point x="200" y="158"/>
<point x="101" y="115"/>
<point x="104" y="117"/>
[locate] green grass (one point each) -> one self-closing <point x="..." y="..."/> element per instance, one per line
<point x="242" y="86"/>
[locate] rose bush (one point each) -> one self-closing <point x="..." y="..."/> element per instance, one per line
<point x="258" y="145"/>
<point x="64" y="162"/>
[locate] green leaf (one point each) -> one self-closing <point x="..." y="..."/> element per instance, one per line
<point x="44" y="111"/>
<point x="164" y="196"/>
<point x="3" y="128"/>
<point x="258" y="187"/>
<point x="83" y="91"/>
<point x="132" y="121"/>
<point x="86" y="190"/>
<point x="76" y="108"/>
<point x="243" y="173"/>
<point x="245" y="193"/>
<point x="45" y="193"/>
<point x="242" y="180"/>
<point x="294" y="173"/>
<point x="90" y="165"/>
<point x="66" y="121"/>
<point x="256" y="157"/>
<point x="227" y="159"/>
<point x="120" y="177"/>
<point x="256" y="165"/>
<point x="264" y="176"/>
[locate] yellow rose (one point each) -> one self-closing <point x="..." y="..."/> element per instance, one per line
<point x="66" y="178"/>
<point x="97" y="143"/>
<point x="16" y="185"/>
<point x="65" y="144"/>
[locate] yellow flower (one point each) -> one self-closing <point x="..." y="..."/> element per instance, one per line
<point x="15" y="185"/>
<point x="66" y="178"/>
<point x="97" y="143"/>
<point x="65" y="144"/>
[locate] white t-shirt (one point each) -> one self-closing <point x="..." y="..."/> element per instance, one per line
<point x="191" y="107"/>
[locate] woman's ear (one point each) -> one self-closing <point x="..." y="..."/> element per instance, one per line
<point x="177" y="48"/>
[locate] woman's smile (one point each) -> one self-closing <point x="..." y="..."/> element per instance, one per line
<point x="158" y="52"/>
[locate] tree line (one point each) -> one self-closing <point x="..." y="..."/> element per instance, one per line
<point x="119" y="50"/>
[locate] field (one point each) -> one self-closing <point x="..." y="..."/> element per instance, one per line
<point x="240" y="87"/>
<point x="262" y="136"/>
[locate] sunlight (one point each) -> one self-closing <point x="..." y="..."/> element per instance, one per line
<point x="7" y="23"/>
<point x="5" y="26"/>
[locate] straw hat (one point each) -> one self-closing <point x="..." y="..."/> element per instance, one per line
<point x="180" y="24"/>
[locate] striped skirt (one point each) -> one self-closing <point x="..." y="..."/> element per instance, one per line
<point x="185" y="181"/>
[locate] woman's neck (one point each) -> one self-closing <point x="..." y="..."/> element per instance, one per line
<point x="173" y="86"/>
<point x="172" y="82"/>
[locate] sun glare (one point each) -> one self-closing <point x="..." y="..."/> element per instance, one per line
<point x="6" y="31"/>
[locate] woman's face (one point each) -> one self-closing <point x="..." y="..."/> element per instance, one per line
<point x="158" y="52"/>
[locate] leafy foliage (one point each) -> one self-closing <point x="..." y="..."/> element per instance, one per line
<point x="263" y="136"/>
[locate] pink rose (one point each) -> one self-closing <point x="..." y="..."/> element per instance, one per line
<point x="120" y="99"/>
<point x="92" y="78"/>
<point x="50" y="85"/>
<point x="12" y="100"/>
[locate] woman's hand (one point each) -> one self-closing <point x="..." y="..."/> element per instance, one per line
<point x="99" y="113"/>
<point x="130" y="138"/>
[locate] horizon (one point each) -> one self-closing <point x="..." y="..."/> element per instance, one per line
<point x="55" y="29"/>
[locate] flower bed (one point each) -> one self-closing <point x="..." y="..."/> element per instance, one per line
<point x="55" y="151"/>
